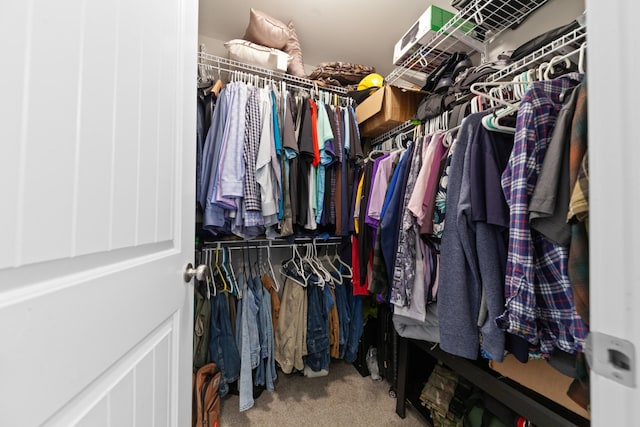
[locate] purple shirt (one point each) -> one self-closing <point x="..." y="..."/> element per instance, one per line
<point x="373" y="222"/>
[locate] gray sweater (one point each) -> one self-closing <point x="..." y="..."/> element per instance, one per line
<point x="472" y="263"/>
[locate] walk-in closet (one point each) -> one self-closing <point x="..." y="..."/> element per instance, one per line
<point x="343" y="213"/>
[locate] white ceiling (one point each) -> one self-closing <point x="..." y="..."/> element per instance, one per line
<point x="355" y="31"/>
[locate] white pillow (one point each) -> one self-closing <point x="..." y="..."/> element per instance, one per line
<point x="251" y="53"/>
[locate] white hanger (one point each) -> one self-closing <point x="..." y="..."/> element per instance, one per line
<point x="448" y="139"/>
<point x="583" y="48"/>
<point x="475" y="89"/>
<point x="331" y="266"/>
<point x="296" y="267"/>
<point x="541" y="70"/>
<point x="555" y="60"/>
<point x="309" y="262"/>
<point x="273" y="275"/>
<point x="336" y="257"/>
<point x="324" y="272"/>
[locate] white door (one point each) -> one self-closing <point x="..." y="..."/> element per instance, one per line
<point x="97" y="134"/>
<point x="614" y="160"/>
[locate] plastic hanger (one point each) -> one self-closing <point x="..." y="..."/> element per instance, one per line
<point x="555" y="60"/>
<point x="293" y="265"/>
<point x="583" y="48"/>
<point x="447" y="141"/>
<point x="224" y="266"/>
<point x="318" y="263"/>
<point x="238" y="291"/>
<point x="349" y="274"/>
<point x="330" y="266"/>
<point x="207" y="279"/>
<point x="225" y="285"/>
<point x="306" y="261"/>
<point x="273" y="275"/>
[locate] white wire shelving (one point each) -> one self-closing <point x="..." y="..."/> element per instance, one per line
<point x="567" y="44"/>
<point x="470" y="30"/>
<point x="210" y="63"/>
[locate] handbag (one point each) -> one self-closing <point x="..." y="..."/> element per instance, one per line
<point x="206" y="405"/>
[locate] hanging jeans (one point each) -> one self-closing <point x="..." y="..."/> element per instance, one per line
<point x="222" y="346"/>
<point x="250" y="349"/>
<point x="344" y="315"/>
<point x="265" y="372"/>
<point x="317" y="328"/>
<point x="357" y="323"/>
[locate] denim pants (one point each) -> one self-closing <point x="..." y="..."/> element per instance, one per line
<point x="357" y="323"/>
<point x="250" y="349"/>
<point x="265" y="373"/>
<point x="344" y="316"/>
<point x="222" y="346"/>
<point x="317" y="328"/>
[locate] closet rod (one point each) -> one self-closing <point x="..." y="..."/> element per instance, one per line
<point x="263" y="243"/>
<point x="221" y="64"/>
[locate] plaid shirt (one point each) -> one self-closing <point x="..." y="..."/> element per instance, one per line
<point x="539" y="299"/>
<point x="250" y="152"/>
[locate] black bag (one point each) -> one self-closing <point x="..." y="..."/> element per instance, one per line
<point x="430" y="106"/>
<point x="453" y="63"/>
<point x="542" y="40"/>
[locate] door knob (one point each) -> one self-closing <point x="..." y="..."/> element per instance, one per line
<point x="200" y="272"/>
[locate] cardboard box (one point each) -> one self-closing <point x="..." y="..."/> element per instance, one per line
<point x="540" y="376"/>
<point x="431" y="21"/>
<point x="385" y="109"/>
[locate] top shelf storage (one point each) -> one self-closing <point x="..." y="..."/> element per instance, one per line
<point x="215" y="64"/>
<point x="470" y="30"/>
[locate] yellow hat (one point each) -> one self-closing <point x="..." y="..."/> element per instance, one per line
<point x="373" y="80"/>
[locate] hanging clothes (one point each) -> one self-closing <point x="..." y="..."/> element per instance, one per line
<point x="269" y="163"/>
<point x="536" y="266"/>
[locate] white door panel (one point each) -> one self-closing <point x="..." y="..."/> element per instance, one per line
<point x="614" y="197"/>
<point x="96" y="176"/>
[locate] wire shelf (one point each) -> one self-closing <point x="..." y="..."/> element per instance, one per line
<point x="471" y="29"/>
<point x="404" y="127"/>
<point x="212" y="62"/>
<point x="565" y="45"/>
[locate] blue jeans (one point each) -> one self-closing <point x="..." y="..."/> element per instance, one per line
<point x="317" y="328"/>
<point x="265" y="373"/>
<point x="356" y="326"/>
<point x="344" y="315"/>
<point x="222" y="346"/>
<point x="250" y="349"/>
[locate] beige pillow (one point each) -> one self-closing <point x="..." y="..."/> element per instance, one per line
<point x="261" y="56"/>
<point x="296" y="66"/>
<point x="266" y="31"/>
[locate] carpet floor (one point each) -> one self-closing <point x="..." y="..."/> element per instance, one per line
<point x="343" y="398"/>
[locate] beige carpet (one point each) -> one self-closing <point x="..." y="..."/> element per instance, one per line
<point x="343" y="398"/>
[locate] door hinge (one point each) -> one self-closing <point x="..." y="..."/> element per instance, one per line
<point x="612" y="357"/>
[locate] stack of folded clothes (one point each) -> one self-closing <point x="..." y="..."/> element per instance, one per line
<point x="343" y="74"/>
